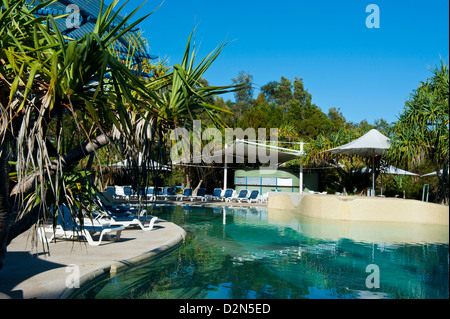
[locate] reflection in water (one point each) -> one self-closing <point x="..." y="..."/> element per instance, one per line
<point x="233" y="252"/>
<point x="361" y="231"/>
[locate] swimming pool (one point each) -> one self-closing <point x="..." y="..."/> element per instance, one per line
<point x="256" y="252"/>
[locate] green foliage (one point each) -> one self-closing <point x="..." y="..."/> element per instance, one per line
<point x="283" y="93"/>
<point x="422" y="131"/>
<point x="53" y="82"/>
<point x="245" y="94"/>
<point x="401" y="185"/>
<point x="337" y="119"/>
<point x="285" y="106"/>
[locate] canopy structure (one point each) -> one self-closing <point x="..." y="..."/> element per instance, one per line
<point x="254" y="152"/>
<point x="151" y="164"/>
<point x="393" y="170"/>
<point x="371" y="144"/>
<point x="242" y="149"/>
<point x="258" y="152"/>
<point x="396" y="171"/>
<point x="432" y="173"/>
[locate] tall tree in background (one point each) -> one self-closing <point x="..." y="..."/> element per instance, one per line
<point x="300" y="93"/>
<point x="289" y="107"/>
<point x="269" y="91"/>
<point x="243" y="97"/>
<point x="283" y="93"/>
<point x="337" y="119"/>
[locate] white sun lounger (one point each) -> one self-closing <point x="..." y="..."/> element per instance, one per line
<point x="69" y="228"/>
<point x="252" y="198"/>
<point x="242" y="195"/>
<point x="129" y="220"/>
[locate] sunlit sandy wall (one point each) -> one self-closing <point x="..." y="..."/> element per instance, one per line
<point x="361" y="208"/>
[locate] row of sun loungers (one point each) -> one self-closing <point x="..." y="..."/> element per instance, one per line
<point x="112" y="219"/>
<point x="169" y="193"/>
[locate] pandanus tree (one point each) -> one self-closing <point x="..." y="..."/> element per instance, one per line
<point x="48" y="80"/>
<point x="422" y="130"/>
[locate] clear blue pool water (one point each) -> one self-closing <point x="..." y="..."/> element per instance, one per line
<point x="245" y="253"/>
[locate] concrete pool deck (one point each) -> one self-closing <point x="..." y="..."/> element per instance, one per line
<point x="29" y="273"/>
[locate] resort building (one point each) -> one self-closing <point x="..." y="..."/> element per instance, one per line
<point x="279" y="180"/>
<point x="82" y="18"/>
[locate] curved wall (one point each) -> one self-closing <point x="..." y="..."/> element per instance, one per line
<point x="361" y="208"/>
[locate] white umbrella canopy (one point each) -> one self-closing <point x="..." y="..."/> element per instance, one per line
<point x="371" y="144"/>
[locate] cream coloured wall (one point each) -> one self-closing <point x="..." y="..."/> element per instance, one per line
<point x="361" y="208"/>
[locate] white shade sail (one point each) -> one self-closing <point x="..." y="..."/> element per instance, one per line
<point x="252" y="151"/>
<point x="432" y="173"/>
<point x="372" y="143"/>
<point x="396" y="171"/>
<point x="392" y="170"/>
<point x="240" y="150"/>
<point x="151" y="164"/>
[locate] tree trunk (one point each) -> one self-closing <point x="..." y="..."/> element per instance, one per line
<point x="194" y="192"/>
<point x="10" y="231"/>
<point x="441" y="193"/>
<point x="188" y="179"/>
<point x="5" y="209"/>
<point x="71" y="157"/>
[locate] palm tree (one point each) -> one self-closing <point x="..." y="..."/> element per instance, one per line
<point x="422" y="130"/>
<point x="46" y="77"/>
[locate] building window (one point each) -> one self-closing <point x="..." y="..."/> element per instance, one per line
<point x="264" y="181"/>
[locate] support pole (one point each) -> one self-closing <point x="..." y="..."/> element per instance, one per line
<point x="300" y="186"/>
<point x="225" y="175"/>
<point x="225" y="170"/>
<point x="373" y="175"/>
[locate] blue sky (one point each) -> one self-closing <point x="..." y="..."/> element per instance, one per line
<point x="367" y="73"/>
